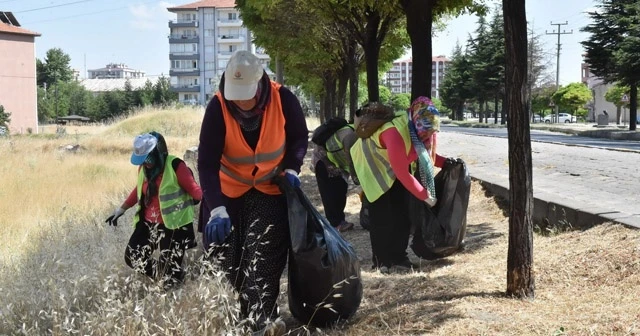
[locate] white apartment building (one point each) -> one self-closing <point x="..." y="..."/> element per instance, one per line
<point x="201" y="41"/>
<point x="115" y="70"/>
<point x="399" y="77"/>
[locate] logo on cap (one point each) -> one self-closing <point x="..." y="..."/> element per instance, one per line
<point x="238" y="74"/>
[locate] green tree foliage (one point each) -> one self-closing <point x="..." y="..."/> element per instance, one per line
<point x="162" y="94"/>
<point x="72" y="98"/>
<point x="615" y="93"/>
<point x="400" y="101"/>
<point x="420" y="15"/>
<point x="572" y="96"/>
<point x="55" y="68"/>
<point x="5" y="117"/>
<point x="457" y="85"/>
<point x="613" y="46"/>
<point x="369" y="22"/>
<point x="385" y="94"/>
<point x="541" y="97"/>
<point x="480" y="55"/>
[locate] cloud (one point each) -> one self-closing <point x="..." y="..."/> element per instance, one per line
<point x="150" y="17"/>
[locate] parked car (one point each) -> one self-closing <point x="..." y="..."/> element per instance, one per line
<point x="562" y="117"/>
<point x="3" y="131"/>
<point x="537" y="118"/>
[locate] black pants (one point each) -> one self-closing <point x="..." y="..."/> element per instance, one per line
<point x="255" y="253"/>
<point x="390" y="226"/>
<point x="333" y="192"/>
<point x="146" y="238"/>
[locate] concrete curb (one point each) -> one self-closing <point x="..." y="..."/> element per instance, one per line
<point x="548" y="213"/>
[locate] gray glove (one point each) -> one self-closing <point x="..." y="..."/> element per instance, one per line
<point x="113" y="219"/>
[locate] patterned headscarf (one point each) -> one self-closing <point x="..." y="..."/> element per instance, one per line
<point x="424" y="123"/>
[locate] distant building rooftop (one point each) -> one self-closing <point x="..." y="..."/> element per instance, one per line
<point x="112" y="84"/>
<point x="205" y="3"/>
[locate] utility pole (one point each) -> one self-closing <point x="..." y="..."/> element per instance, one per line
<point x="554" y="32"/>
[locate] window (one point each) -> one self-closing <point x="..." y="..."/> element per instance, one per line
<point x="208" y="49"/>
<point x="232" y="16"/>
<point x="186" y="48"/>
<point x="209" y="65"/>
<point x="208" y="33"/>
<point x="208" y="16"/>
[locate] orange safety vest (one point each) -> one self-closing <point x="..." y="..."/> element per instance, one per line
<point x="242" y="168"/>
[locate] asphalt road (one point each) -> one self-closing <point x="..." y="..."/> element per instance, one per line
<point x="576" y="172"/>
<point x="550" y="137"/>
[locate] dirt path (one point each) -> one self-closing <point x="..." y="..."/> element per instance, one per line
<point x="587" y="283"/>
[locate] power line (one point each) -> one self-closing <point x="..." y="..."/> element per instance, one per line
<point x="54" y="6"/>
<point x="87" y="14"/>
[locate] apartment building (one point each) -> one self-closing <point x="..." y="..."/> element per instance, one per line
<point x="201" y="40"/>
<point x="399" y="77"/>
<point x="115" y="70"/>
<point x="18" y="88"/>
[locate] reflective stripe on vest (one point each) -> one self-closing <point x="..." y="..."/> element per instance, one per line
<point x="241" y="167"/>
<point x="176" y="205"/>
<point x="371" y="160"/>
<point x="335" y="149"/>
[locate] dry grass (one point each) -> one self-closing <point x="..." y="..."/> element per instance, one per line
<point x="62" y="270"/>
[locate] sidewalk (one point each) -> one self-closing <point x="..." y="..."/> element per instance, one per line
<point x="577" y="186"/>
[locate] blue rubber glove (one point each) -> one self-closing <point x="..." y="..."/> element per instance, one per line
<point x="292" y="176"/>
<point x="218" y="227"/>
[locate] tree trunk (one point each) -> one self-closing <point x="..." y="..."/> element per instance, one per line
<point x="330" y="93"/>
<point x="341" y="97"/>
<point x="618" y="114"/>
<point x="323" y="107"/>
<point x="419" y="14"/>
<point x="495" y="108"/>
<point x="371" y="55"/>
<point x="503" y="116"/>
<point x="353" y="80"/>
<point x="279" y="70"/>
<point x="520" y="279"/>
<point x="460" y="111"/>
<point x="633" y="107"/>
<point x="480" y="110"/>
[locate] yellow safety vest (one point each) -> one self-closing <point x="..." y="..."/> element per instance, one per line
<point x="371" y="160"/>
<point x="176" y="205"/>
<point x="335" y="149"/>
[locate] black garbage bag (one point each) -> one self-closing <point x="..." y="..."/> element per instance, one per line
<point x="324" y="271"/>
<point x="439" y="231"/>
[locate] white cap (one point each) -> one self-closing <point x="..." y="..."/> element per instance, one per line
<point x="242" y="75"/>
<point x="142" y="145"/>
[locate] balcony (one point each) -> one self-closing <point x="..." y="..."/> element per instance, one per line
<point x="225" y="54"/>
<point x="231" y="38"/>
<point x="184" y="72"/>
<point x="178" y="38"/>
<point x="229" y="23"/>
<point x="182" y="23"/>
<point x="185" y="88"/>
<point x="184" y="56"/>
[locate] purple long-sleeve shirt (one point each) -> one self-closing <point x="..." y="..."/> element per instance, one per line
<point x="212" y="137"/>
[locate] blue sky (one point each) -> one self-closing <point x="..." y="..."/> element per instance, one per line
<point x="134" y="32"/>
